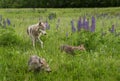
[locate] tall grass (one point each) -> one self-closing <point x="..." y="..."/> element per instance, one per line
<point x="100" y="62"/>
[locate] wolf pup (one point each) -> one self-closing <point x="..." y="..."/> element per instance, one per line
<point x="36" y="63"/>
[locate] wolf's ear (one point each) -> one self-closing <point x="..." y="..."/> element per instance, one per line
<point x="42" y="60"/>
<point x="40" y="23"/>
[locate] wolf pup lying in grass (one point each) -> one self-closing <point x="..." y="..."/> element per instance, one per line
<point x="35" y="31"/>
<point x="70" y="49"/>
<point x="36" y="63"/>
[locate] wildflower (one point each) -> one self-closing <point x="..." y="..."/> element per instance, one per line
<point x="84" y="20"/>
<point x="86" y="24"/>
<point x="52" y="16"/>
<point x="47" y="25"/>
<point x="93" y="24"/>
<point x="112" y="30"/>
<point x="79" y="24"/>
<point x="73" y="27"/>
<point x="8" y="21"/>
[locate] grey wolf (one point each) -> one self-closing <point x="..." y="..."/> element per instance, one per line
<point x="35" y="31"/>
<point x="70" y="49"/>
<point x="35" y="63"/>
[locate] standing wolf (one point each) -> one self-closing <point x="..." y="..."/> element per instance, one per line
<point x="35" y="31"/>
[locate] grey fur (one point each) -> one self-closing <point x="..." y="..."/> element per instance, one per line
<point x="36" y="63"/>
<point x="35" y="31"/>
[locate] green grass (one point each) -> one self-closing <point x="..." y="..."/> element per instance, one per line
<point x="101" y="61"/>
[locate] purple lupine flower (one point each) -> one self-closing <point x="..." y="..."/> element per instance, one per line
<point x="52" y="16"/>
<point x="86" y="25"/>
<point x="93" y="24"/>
<point x="112" y="30"/>
<point x="8" y="21"/>
<point x="47" y="25"/>
<point x="72" y="26"/>
<point x="58" y="23"/>
<point x="79" y="24"/>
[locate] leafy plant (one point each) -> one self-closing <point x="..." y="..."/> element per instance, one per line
<point x="8" y="37"/>
<point x="89" y="39"/>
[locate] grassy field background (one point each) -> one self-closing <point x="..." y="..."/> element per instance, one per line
<point x="100" y="62"/>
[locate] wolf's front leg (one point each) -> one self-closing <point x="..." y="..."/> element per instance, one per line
<point x="33" y="42"/>
<point x="41" y="42"/>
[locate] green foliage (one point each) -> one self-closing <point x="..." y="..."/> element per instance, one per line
<point x="91" y="40"/>
<point x="94" y="41"/>
<point x="8" y="37"/>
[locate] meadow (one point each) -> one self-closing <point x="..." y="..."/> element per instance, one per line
<point x="101" y="37"/>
